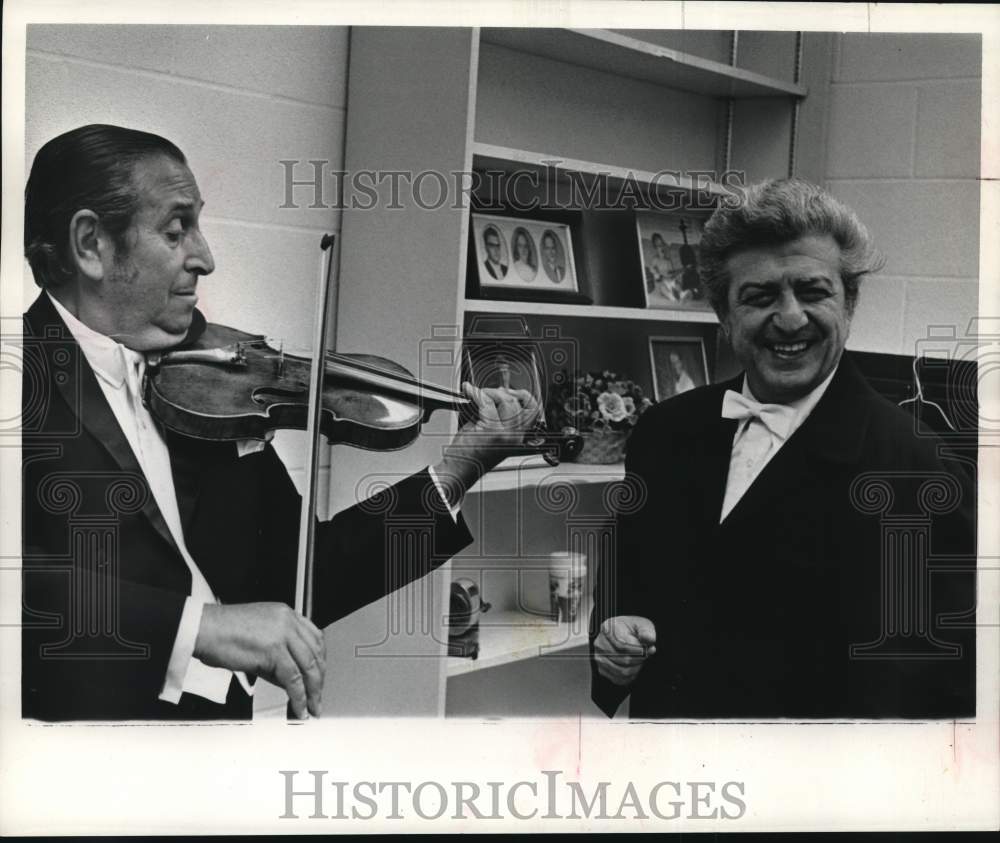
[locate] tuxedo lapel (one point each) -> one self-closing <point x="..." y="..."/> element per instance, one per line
<point x="191" y="461"/>
<point x="80" y="390"/>
<point x="713" y="464"/>
<point x="713" y="443"/>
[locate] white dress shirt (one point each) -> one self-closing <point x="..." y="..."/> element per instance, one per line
<point x="754" y="444"/>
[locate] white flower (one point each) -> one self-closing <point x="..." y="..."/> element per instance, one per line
<point x="611" y="406"/>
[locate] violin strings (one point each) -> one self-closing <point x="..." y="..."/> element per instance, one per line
<point x="350" y="364"/>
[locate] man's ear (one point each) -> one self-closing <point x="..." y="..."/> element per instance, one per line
<point x="88" y="244"/>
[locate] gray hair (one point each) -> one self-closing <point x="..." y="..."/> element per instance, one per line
<point x="778" y="211"/>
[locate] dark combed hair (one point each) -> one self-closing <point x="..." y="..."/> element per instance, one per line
<point x="778" y="211"/>
<point x="86" y="168"/>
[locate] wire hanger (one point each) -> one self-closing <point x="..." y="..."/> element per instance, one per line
<point x="920" y="399"/>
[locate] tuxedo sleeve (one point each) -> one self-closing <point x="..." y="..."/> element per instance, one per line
<point x="365" y="552"/>
<point x="618" y="587"/>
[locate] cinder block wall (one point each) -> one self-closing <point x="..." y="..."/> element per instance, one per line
<point x="237" y="101"/>
<point x="903" y="150"/>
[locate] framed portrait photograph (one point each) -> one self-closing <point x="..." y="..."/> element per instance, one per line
<point x="524" y="259"/>
<point x="510" y="362"/>
<point x="669" y="256"/>
<point x="678" y="365"/>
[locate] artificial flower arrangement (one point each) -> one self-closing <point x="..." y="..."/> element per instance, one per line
<point x="596" y="403"/>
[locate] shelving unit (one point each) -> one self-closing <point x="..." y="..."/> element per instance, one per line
<point x="564" y="106"/>
<point x="556" y="309"/>
<point x="612" y="52"/>
<point x="523" y="473"/>
<point x="487" y="155"/>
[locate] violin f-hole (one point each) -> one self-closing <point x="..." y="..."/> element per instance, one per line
<point x="269" y="394"/>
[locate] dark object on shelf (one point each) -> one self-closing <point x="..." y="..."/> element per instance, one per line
<point x="570" y="444"/>
<point x="465" y="607"/>
<point x="498" y="352"/>
<point x="938" y="387"/>
<point x="939" y="392"/>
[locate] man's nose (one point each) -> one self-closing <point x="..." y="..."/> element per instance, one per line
<point x="200" y="258"/>
<point x="790" y="316"/>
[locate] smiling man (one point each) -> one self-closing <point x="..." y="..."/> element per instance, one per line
<point x="752" y="579"/>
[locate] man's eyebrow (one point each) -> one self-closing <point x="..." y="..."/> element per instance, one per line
<point x="183" y="205"/>
<point x="799" y="280"/>
<point x="758" y="285"/>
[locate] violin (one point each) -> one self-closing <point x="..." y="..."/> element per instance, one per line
<point x="228" y="385"/>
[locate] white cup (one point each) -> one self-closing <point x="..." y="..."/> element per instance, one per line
<point x="567" y="581"/>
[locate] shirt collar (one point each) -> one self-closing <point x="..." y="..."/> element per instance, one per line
<point x="107" y="357"/>
<point x="801" y="407"/>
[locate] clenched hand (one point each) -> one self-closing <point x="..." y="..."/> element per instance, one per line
<point x="622" y="647"/>
<point x="503" y="417"/>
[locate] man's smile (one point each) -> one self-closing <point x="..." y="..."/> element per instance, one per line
<point x="789" y="350"/>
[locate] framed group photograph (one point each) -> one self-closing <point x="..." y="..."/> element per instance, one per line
<point x="669" y="255"/>
<point x="678" y="365"/>
<point x="518" y="258"/>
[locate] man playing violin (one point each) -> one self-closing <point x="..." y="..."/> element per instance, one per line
<point x="158" y="569"/>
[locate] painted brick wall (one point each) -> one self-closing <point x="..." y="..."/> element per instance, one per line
<point x="237" y="101"/>
<point x="903" y="150"/>
<point x="232" y="100"/>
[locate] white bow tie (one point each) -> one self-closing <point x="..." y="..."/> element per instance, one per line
<point x="777" y="418"/>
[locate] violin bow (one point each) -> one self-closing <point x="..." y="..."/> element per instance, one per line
<point x="307" y="524"/>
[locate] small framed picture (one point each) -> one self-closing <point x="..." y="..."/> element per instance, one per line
<point x="678" y="364"/>
<point x="668" y="252"/>
<point x="522" y="258"/>
<point x="510" y="362"/>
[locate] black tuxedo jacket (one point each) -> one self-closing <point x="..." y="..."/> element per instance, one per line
<point x="767" y="614"/>
<point x="103" y="581"/>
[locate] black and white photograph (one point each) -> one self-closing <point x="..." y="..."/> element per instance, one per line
<point x="678" y="365"/>
<point x="502" y="365"/>
<point x="523" y="254"/>
<point x="262" y="405"/>
<point x="668" y="249"/>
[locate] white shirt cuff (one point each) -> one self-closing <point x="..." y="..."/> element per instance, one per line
<point x="180" y="657"/>
<point x="437" y="485"/>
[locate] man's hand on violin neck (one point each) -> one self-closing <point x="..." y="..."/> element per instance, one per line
<point x="270" y="640"/>
<point x="503" y="417"/>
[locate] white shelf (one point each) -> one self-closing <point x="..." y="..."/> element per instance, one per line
<point x="507" y="636"/>
<point x="621" y="55"/>
<point x="545" y="162"/>
<point x="590" y="311"/>
<point x="522" y="473"/>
